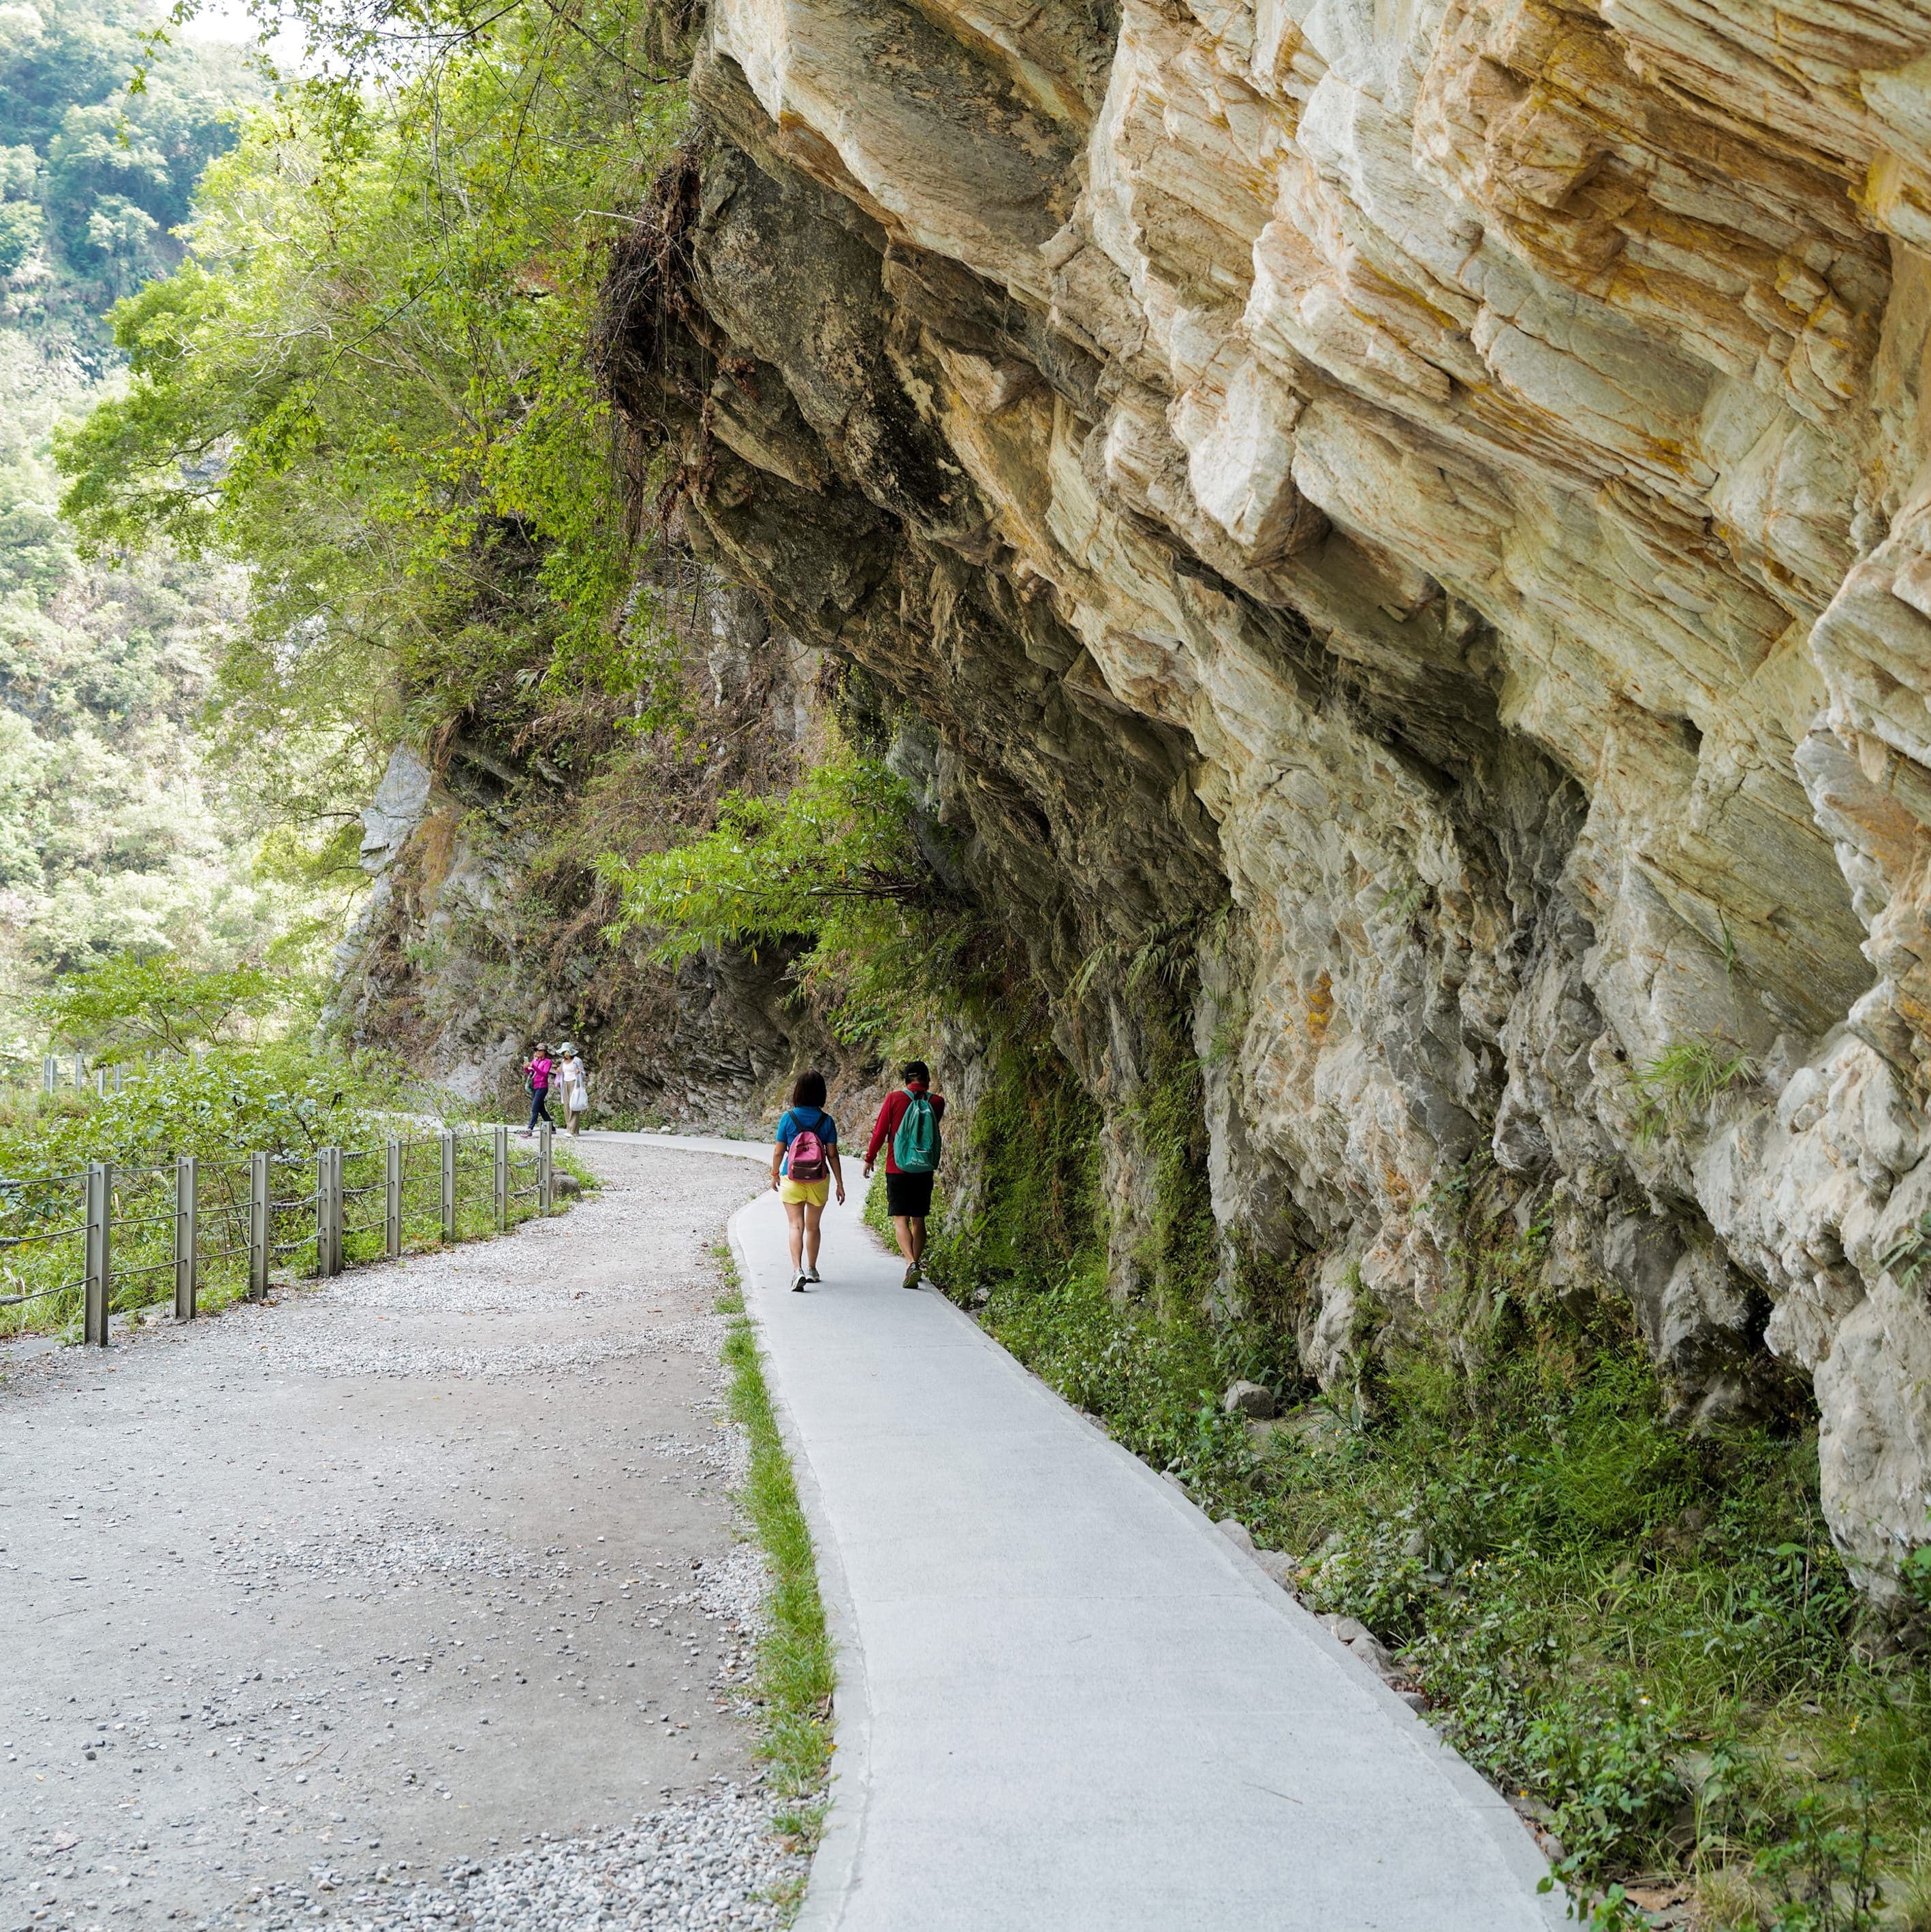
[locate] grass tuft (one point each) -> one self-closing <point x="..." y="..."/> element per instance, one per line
<point x="795" y="1676"/>
<point x="1677" y="1088"/>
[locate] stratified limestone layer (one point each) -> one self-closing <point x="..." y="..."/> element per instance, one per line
<point x="1449" y="478"/>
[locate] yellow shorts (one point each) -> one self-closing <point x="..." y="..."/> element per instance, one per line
<point x="791" y="1191"/>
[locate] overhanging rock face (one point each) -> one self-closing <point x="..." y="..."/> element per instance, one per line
<point x="1450" y="482"/>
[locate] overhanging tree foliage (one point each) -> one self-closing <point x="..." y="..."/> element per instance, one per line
<point x="834" y="868"/>
<point x="367" y="380"/>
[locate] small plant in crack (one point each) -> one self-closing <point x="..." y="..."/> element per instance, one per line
<point x="1825" y="1872"/>
<point x="1679" y="1085"/>
<point x="1403" y="900"/>
<point x="1910" y="1254"/>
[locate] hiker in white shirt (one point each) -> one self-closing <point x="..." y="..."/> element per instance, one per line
<point x="573" y="1079"/>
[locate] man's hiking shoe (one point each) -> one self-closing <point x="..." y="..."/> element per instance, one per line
<point x="911" y="1276"/>
<point x="798" y="1282"/>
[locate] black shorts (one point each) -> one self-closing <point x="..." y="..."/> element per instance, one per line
<point x="908" y="1194"/>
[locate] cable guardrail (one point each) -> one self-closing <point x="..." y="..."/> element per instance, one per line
<point x="75" y="1072"/>
<point x="96" y="1235"/>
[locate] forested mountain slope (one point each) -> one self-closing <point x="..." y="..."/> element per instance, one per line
<point x="115" y="830"/>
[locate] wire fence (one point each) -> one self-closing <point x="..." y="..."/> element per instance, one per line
<point x="74" y="1072"/>
<point x="116" y="1239"/>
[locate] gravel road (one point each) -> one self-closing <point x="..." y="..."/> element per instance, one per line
<point x="416" y="1599"/>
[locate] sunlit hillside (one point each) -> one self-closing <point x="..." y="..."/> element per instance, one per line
<point x="126" y="819"/>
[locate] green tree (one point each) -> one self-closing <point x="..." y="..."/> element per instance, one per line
<point x="20" y="225"/>
<point x="368" y="380"/>
<point x="128" y="1004"/>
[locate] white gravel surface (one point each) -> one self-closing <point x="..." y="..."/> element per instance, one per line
<point x="712" y="1861"/>
<point x="417" y="1600"/>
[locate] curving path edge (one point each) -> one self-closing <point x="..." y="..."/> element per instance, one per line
<point x="1065" y="1701"/>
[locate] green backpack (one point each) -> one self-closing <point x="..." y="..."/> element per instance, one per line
<point x="915" y="1145"/>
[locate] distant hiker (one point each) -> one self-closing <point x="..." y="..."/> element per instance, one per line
<point x="804" y="1164"/>
<point x="573" y="1084"/>
<point x="536" y="1072"/>
<point x="907" y="1128"/>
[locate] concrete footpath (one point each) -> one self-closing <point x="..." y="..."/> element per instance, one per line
<point x="1065" y="1700"/>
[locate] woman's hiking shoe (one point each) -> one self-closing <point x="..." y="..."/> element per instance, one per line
<point x="912" y="1276"/>
<point x="798" y="1282"/>
<point x="812" y="1276"/>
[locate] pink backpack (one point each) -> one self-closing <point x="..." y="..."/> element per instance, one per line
<point x="807" y="1160"/>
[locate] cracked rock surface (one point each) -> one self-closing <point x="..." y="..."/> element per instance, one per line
<point x="1422" y="515"/>
<point x="417" y="1599"/>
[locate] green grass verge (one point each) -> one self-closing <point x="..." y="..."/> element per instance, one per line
<point x="795" y="1677"/>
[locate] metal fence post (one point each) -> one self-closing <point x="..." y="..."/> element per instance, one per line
<point x="120" y="1076"/>
<point x="328" y="1211"/>
<point x="392" y="1214"/>
<point x="187" y="1201"/>
<point x="49" y="1074"/>
<point x="100" y="1082"/>
<point x="449" y="1186"/>
<point x="336" y="1210"/>
<point x="545" y="1168"/>
<point x="97" y="1246"/>
<point x="259" y="1223"/>
<point x="80" y="1071"/>
<point x="501" y="1177"/>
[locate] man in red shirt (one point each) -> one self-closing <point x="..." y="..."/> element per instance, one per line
<point x="908" y="1196"/>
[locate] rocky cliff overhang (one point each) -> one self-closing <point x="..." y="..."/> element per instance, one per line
<point x="1450" y="479"/>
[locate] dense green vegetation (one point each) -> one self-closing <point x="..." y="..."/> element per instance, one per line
<point x="1647" y="1634"/>
<point x="97" y="174"/>
<point x="381" y="328"/>
<point x="117" y="832"/>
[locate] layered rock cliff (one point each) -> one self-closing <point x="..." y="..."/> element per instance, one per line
<point x="1425" y="509"/>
